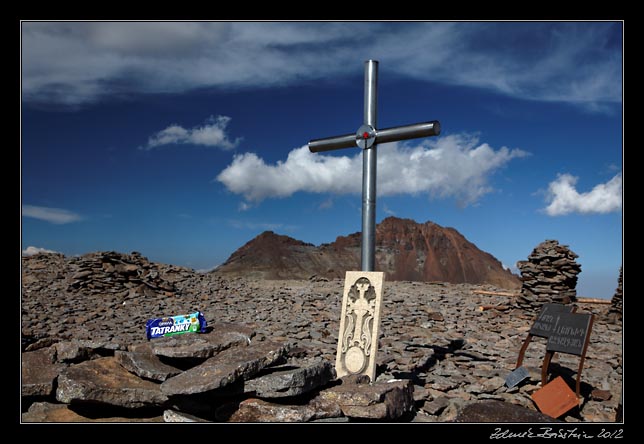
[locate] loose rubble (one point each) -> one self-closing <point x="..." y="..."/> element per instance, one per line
<point x="269" y="351"/>
<point x="549" y="276"/>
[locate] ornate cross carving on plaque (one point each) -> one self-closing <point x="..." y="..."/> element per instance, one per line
<point x="359" y="324"/>
<point x="367" y="137"/>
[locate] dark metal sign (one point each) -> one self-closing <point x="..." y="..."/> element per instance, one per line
<point x="570" y="333"/>
<point x="516" y="376"/>
<point x="545" y="321"/>
<point x="543" y="325"/>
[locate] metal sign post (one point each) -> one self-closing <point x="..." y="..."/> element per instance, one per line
<point x="368" y="137"/>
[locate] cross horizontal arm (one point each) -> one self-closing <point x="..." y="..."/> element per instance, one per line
<point x="333" y="143"/>
<point x="394" y="134"/>
<point x="412" y="131"/>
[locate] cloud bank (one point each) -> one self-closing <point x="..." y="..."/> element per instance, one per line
<point x="564" y="199"/>
<point x="211" y="134"/>
<point x="454" y="166"/>
<point x="52" y="215"/>
<point x="82" y="62"/>
<point x="30" y="251"/>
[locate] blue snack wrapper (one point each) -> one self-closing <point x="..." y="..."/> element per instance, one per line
<point x="175" y="325"/>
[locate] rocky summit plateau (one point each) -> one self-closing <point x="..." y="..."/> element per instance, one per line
<point x="405" y="251"/>
<point x="268" y="354"/>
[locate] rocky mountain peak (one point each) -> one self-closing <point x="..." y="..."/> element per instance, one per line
<point x="405" y="250"/>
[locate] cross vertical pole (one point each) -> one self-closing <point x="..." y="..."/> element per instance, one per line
<point x="367" y="138"/>
<point x="369" y="168"/>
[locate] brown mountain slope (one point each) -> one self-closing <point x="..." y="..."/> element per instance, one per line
<point x="405" y="250"/>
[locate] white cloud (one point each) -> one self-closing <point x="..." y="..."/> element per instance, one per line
<point x="30" y="251"/>
<point x="512" y="269"/>
<point x="564" y="199"/>
<point x="206" y="270"/>
<point x="265" y="226"/>
<point x="212" y="133"/>
<point x="81" y="62"/>
<point x="388" y="211"/>
<point x="453" y="166"/>
<point x="52" y="215"/>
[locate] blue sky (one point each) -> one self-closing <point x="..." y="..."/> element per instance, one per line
<point x="184" y="140"/>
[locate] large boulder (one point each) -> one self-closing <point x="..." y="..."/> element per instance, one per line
<point x="39" y="372"/>
<point x="382" y="400"/>
<point x="498" y="411"/>
<point x="105" y="381"/>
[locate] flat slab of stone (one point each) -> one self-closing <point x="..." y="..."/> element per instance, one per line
<point x="381" y="400"/>
<point x="225" y="368"/>
<point x="203" y="345"/>
<point x="48" y="412"/>
<point x="435" y="406"/>
<point x="498" y="411"/>
<point x="258" y="410"/>
<point x="39" y="371"/>
<point x="77" y="350"/>
<point x="290" y="379"/>
<point x="104" y="380"/>
<point x="144" y="363"/>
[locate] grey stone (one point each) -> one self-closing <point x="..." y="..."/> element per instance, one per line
<point x="174" y="416"/>
<point x="48" y="412"/>
<point x="451" y="412"/>
<point x="41" y="343"/>
<point x="499" y="412"/>
<point x="45" y="412"/>
<point x="287" y="381"/>
<point x="39" y="372"/>
<point x="145" y="364"/>
<point x="381" y="400"/>
<point x="76" y="350"/>
<point x="492" y="384"/>
<point x="105" y="381"/>
<point x="600" y="395"/>
<point x="333" y="419"/>
<point x="422" y="416"/>
<point x="225" y="368"/>
<point x="474" y="388"/>
<point x="356" y="379"/>
<point x="203" y="345"/>
<point x="436" y="406"/>
<point x="420" y="393"/>
<point x="257" y="410"/>
<point x="442" y="383"/>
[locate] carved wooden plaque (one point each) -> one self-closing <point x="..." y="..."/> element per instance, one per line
<point x="359" y="324"/>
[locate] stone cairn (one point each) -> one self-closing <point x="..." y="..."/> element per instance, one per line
<point x="616" y="310"/>
<point x="124" y="274"/>
<point x="549" y="275"/>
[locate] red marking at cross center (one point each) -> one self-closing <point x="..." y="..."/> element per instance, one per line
<point x="365" y="135"/>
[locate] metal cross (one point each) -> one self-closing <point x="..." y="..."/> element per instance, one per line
<point x="367" y="137"/>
